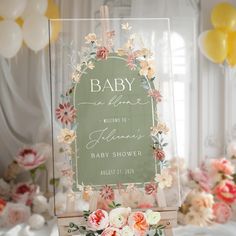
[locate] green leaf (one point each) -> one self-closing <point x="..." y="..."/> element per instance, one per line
<point x="54" y="182"/>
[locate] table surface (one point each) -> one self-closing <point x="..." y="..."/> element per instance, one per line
<point x="50" y="229"/>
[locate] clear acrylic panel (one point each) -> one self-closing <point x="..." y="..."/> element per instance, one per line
<point x="112" y="115"/>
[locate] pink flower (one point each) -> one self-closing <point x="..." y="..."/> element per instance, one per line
<point x="150" y="188"/>
<point x="131" y="62"/>
<point x="226" y="191"/>
<point x="222" y="212"/>
<point x="138" y="223"/>
<point x="107" y="193"/>
<point x="224" y="166"/>
<point x="155" y="94"/>
<point x="29" y="159"/>
<point x="201" y="178"/>
<point x="110" y="231"/>
<point x="2" y="205"/>
<point x="159" y="154"/>
<point x="15" y="213"/>
<point x="102" y="53"/>
<point x="98" y="220"/>
<point x="24" y="193"/>
<point x="66" y="113"/>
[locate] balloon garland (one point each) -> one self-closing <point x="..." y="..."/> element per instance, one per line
<point x="22" y="20"/>
<point x="219" y="44"/>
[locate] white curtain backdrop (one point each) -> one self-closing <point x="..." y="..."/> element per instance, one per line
<point x="24" y="80"/>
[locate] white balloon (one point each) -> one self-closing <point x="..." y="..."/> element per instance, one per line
<point x="35" y="32"/>
<point x="12" y="9"/>
<point x="35" y="7"/>
<point x="10" y="38"/>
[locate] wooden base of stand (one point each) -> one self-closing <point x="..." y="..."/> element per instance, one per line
<point x="168" y="219"/>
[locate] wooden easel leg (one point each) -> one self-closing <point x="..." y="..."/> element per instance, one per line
<point x="168" y="232"/>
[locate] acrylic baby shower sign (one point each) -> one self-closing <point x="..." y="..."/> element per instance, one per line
<point x="110" y="133"/>
<point x="114" y="115"/>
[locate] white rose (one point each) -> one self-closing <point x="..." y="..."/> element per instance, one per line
<point x="127" y="231"/>
<point x="118" y="217"/>
<point x="40" y="204"/>
<point x="153" y="217"/>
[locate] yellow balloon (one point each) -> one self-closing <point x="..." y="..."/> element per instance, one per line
<point x="20" y="22"/>
<point x="213" y="44"/>
<point x="1" y="18"/>
<point x="53" y="12"/>
<point x="231" y="58"/>
<point x="223" y="17"/>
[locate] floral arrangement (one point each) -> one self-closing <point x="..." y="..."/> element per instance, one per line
<point x="119" y="221"/>
<point x="142" y="60"/>
<point x="22" y="202"/>
<point x="212" y="193"/>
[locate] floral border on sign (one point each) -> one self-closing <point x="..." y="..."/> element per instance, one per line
<point x="141" y="60"/>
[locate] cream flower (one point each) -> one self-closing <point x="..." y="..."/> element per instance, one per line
<point x="127" y="231"/>
<point x="126" y="26"/>
<point x="153" y="217"/>
<point x="201" y="201"/>
<point x="147" y="69"/>
<point x="161" y="127"/>
<point x="202" y="218"/>
<point x="66" y="136"/>
<point x="90" y="38"/>
<point x="144" y="52"/>
<point x="90" y="65"/>
<point x="164" y="179"/>
<point x="118" y="217"/>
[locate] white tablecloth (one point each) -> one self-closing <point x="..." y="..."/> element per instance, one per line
<point x="51" y="230"/>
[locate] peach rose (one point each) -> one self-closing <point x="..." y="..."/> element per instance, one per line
<point x="102" y="53"/>
<point x="138" y="223"/>
<point x="98" y="220"/>
<point x="29" y="159"/>
<point x="223" y="166"/>
<point x="226" y="191"/>
<point x="110" y="231"/>
<point x="222" y="212"/>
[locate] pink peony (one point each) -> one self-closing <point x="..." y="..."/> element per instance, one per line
<point x="102" y="53"/>
<point x="110" y="231"/>
<point x="222" y="165"/>
<point x="24" y="193"/>
<point x="222" y="212"/>
<point x="98" y="220"/>
<point x="29" y="159"/>
<point x="15" y="213"/>
<point x="201" y="178"/>
<point x="138" y="223"/>
<point x="226" y="191"/>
